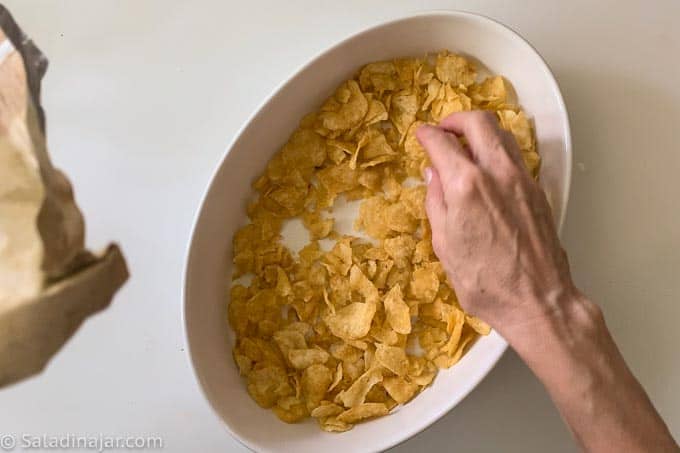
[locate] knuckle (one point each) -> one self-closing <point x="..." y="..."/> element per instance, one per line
<point x="469" y="180"/>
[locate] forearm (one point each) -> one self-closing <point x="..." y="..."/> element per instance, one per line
<point x="575" y="357"/>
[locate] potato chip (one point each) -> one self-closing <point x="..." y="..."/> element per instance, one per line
<point x="363" y="411"/>
<point x="455" y="325"/>
<point x="286" y="201"/>
<point x="324" y="332"/>
<point x="352" y="321"/>
<point x="425" y="374"/>
<point x="454" y="69"/>
<point x="403" y="109"/>
<point x="378" y="394"/>
<point x="310" y="253"/>
<point x="305" y="150"/>
<point x="374" y="150"/>
<point x="393" y="358"/>
<point x="423" y="252"/>
<point x="303" y="358"/>
<point x="400" y="249"/>
<point x="518" y="124"/>
<point x="532" y="161"/>
<point x="384" y="268"/>
<point x="244" y="363"/>
<point x="478" y="325"/>
<point x="379" y="77"/>
<point x="345" y="109"/>
<point x="356" y="393"/>
<point x="371" y="217"/>
<point x="433" y="89"/>
<point x="317" y="226"/>
<point x="337" y="378"/>
<point x="351" y="372"/>
<point x="376" y="112"/>
<point x="384" y="334"/>
<point x="448" y="360"/>
<point x="492" y="93"/>
<point x="391" y="188"/>
<point x="413" y="199"/>
<point x="399" y="276"/>
<point x="326" y="409"/>
<point x="398" y="313"/>
<point x="370" y="179"/>
<point x="316" y="379"/>
<point x="399" y="220"/>
<point x="345" y="351"/>
<point x="358" y="282"/>
<point x="267" y="384"/>
<point x="339" y="259"/>
<point x="449" y="101"/>
<point x="400" y="389"/>
<point x="425" y="284"/>
<point x="289" y="339"/>
<point x="283" y="287"/>
<point x="333" y="425"/>
<point x="338" y="178"/>
<point x="290" y="409"/>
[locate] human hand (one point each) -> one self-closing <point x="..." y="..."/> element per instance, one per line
<point x="492" y="227"/>
<point x="493" y="231"/>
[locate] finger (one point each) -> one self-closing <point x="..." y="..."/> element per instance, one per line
<point x="435" y="205"/>
<point x="445" y="151"/>
<point x="487" y="140"/>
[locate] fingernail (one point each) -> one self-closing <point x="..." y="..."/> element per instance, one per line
<point x="428" y="175"/>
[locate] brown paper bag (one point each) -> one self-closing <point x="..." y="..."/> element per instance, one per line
<point x="49" y="282"/>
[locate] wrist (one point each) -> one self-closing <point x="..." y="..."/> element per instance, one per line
<point x="569" y="324"/>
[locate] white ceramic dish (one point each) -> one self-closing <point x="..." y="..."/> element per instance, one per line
<point x="502" y="51"/>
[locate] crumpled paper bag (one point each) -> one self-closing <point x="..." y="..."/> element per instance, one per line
<point x="49" y="282"/>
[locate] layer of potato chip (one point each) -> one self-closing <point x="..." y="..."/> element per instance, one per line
<point x="346" y="333"/>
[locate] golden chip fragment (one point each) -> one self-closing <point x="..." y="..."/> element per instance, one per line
<point x="333" y="425"/>
<point x="398" y="313"/>
<point x="267" y="384"/>
<point x="448" y="101"/>
<point x="352" y="321"/>
<point x="491" y="93"/>
<point x="400" y="249"/>
<point x="356" y="393"/>
<point x="403" y="109"/>
<point x="290" y="409"/>
<point x="326" y="409"/>
<point x="315" y="381"/>
<point x="345" y="109"/>
<point x="304" y="358"/>
<point x="363" y="411"/>
<point x="400" y="389"/>
<point x="424" y="284"/>
<point x="454" y="69"/>
<point x="357" y="323"/>
<point x="393" y="358"/>
<point x="478" y="325"/>
<point x="317" y="226"/>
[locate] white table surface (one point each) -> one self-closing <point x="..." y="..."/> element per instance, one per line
<point x="143" y="96"/>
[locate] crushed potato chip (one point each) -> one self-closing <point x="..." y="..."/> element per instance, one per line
<point x="327" y="332"/>
<point x="363" y="411"/>
<point x="398" y="313"/>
